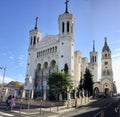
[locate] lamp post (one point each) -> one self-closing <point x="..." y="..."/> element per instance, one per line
<point x="4" y="68"/>
<point x="30" y="82"/>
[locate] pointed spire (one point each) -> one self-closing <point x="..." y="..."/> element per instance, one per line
<point x="66" y="10"/>
<point x="93" y="45"/>
<point x="105" y="47"/>
<point x="105" y="39"/>
<point x="36" y="23"/>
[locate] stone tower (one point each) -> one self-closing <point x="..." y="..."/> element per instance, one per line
<point x="34" y="39"/>
<point x="106" y="69"/>
<point x="106" y="86"/>
<point x="106" y="62"/>
<point x="66" y="36"/>
<point x="93" y="65"/>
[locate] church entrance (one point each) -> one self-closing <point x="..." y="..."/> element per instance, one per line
<point x="106" y="91"/>
<point x="96" y="92"/>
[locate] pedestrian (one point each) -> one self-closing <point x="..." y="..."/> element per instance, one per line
<point x="12" y="102"/>
<point x="0" y="98"/>
<point x="8" y="101"/>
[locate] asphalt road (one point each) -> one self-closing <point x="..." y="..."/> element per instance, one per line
<point x="105" y="107"/>
<point x="21" y="110"/>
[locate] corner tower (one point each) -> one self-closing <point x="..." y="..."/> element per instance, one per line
<point x="107" y="84"/>
<point x="94" y="63"/>
<point x="66" y="37"/>
<point x="34" y="39"/>
<point x="106" y="60"/>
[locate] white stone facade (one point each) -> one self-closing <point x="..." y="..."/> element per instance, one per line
<point x="51" y="53"/>
<point x="106" y="86"/>
<point x="93" y="65"/>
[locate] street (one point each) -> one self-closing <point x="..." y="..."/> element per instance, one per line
<point x="105" y="107"/>
<point x="102" y="107"/>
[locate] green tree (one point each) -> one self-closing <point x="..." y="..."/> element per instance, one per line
<point x="81" y="85"/>
<point x="60" y="82"/>
<point x="15" y="84"/>
<point x="88" y="82"/>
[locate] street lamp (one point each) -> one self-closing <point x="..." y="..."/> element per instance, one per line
<point x="4" y="68"/>
<point x="30" y="82"/>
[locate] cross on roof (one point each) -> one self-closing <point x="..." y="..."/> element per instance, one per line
<point x="66" y="10"/>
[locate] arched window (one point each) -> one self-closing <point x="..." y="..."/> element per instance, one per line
<point x="31" y="41"/>
<point x="55" y="48"/>
<point x="38" y="40"/>
<point x="92" y="58"/>
<point x="72" y="29"/>
<point x="34" y="40"/>
<point x="63" y="27"/>
<point x="95" y="58"/>
<point x="68" y="26"/>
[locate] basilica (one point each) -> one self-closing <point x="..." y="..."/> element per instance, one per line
<point x="52" y="52"/>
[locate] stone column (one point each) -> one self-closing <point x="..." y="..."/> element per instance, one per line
<point x="68" y="96"/>
<point x="75" y="93"/>
<point x="23" y="94"/>
<point x="32" y="93"/>
<point x="44" y="94"/>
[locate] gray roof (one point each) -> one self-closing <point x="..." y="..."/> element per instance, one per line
<point x="106" y="47"/>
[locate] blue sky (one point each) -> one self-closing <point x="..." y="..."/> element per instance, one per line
<point x="94" y="19"/>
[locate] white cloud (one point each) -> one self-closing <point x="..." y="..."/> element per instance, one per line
<point x="116" y="55"/>
<point x="21" y="60"/>
<point x="21" y="78"/>
<point x="6" y="79"/>
<point x="116" y="73"/>
<point x="117" y="49"/>
<point x="11" y="57"/>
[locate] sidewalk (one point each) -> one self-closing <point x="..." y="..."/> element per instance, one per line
<point x="51" y="111"/>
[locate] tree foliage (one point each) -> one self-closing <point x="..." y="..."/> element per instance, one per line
<point x="60" y="82"/>
<point x="81" y="85"/>
<point x="88" y="81"/>
<point x="16" y="84"/>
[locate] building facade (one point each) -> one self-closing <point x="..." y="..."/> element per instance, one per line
<point x="52" y="52"/>
<point x="106" y="86"/>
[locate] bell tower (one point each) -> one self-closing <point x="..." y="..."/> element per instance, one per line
<point x="66" y="23"/>
<point x="34" y="39"/>
<point x="34" y="35"/>
<point x="107" y="71"/>
<point x="94" y="63"/>
<point x="66" y="37"/>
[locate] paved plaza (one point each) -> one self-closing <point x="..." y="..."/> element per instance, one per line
<point x="35" y="109"/>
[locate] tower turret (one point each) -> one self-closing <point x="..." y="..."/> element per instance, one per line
<point x="34" y="39"/>
<point x="66" y="23"/>
<point x="34" y="35"/>
<point x="66" y="36"/>
<point x="94" y="63"/>
<point x="106" y="61"/>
